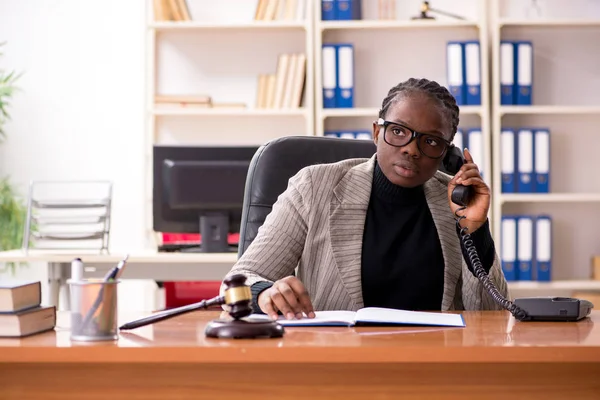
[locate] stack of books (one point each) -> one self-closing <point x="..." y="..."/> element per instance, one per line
<point x="192" y="101"/>
<point x="21" y="312"/>
<point x="202" y="101"/>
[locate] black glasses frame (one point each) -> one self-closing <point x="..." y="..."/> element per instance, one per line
<point x="414" y="135"/>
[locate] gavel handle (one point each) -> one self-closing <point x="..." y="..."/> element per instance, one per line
<point x="167" y="314"/>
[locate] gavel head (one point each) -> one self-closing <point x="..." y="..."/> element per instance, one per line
<point x="238" y="297"/>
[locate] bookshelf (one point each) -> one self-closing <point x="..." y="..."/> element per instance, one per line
<point x="389" y="51"/>
<point x="219" y="50"/>
<point x="570" y="109"/>
<point x="181" y="58"/>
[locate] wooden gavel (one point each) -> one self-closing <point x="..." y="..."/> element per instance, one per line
<point x="237" y="299"/>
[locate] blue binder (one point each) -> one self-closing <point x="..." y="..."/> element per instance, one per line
<point x="328" y="10"/>
<point x="363" y="135"/>
<point x="345" y="75"/>
<point x="508" y="160"/>
<point x="509" y="247"/>
<point x="329" y="74"/>
<point x="348" y="9"/>
<point x="525" y="246"/>
<point x="508" y="70"/>
<point x="525" y="153"/>
<point x="331" y="134"/>
<point x="460" y="139"/>
<point x="541" y="158"/>
<point x="524" y="78"/>
<point x="543" y="248"/>
<point x="455" y="70"/>
<point x="472" y="67"/>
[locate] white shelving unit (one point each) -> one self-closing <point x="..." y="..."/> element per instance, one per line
<point x="387" y="52"/>
<point x="182" y="58"/>
<point x="220" y="52"/>
<point x="565" y="100"/>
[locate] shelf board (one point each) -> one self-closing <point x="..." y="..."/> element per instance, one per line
<point x="549" y="110"/>
<point x="550" y="22"/>
<point x="194" y="25"/>
<point x="470" y="110"/>
<point x="394" y="24"/>
<point x="555" y="285"/>
<point x="283" y="112"/>
<point x="549" y="197"/>
<point x="374" y="111"/>
<point x="350" y="112"/>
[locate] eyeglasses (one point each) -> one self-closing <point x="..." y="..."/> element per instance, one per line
<point x="398" y="135"/>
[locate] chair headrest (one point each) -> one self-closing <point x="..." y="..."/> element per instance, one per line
<point x="280" y="159"/>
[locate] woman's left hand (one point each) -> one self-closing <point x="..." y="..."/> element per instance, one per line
<point x="477" y="210"/>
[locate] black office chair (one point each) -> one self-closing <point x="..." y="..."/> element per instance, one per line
<point x="276" y="162"/>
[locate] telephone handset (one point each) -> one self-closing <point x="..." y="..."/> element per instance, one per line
<point x="452" y="162"/>
<point x="523" y="309"/>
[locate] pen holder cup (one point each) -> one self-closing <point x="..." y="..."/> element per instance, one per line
<point x="93" y="310"/>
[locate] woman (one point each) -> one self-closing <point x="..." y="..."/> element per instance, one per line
<point x="381" y="231"/>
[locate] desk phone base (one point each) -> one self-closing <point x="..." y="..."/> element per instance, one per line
<point x="554" y="308"/>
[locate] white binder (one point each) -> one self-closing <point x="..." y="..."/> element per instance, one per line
<point x="507" y="160"/>
<point x="475" y="140"/>
<point x="329" y="75"/>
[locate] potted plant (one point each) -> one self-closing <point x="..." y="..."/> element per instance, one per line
<point x="12" y="208"/>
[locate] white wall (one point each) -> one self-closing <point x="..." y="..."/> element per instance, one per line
<point x="79" y="114"/>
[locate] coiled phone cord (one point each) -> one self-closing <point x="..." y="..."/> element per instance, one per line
<point x="483" y="277"/>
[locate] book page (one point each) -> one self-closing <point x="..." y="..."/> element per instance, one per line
<point x="401" y="317"/>
<point x="322" y="318"/>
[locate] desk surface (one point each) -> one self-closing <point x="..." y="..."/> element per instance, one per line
<point x="489" y="337"/>
<point x="139" y="256"/>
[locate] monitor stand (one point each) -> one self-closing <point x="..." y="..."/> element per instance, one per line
<point x="214" y="229"/>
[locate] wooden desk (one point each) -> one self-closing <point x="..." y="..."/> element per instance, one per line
<point x="145" y="264"/>
<point x="494" y="357"/>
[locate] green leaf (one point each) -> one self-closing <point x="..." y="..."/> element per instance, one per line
<point x="13" y="210"/>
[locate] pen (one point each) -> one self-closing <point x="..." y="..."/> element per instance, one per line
<point x="116" y="271"/>
<point x="111" y="275"/>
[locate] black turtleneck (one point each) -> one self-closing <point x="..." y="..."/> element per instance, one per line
<point x="402" y="260"/>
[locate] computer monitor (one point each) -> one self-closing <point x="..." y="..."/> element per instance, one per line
<point x="200" y="190"/>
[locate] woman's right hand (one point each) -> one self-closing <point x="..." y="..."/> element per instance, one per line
<point x="287" y="295"/>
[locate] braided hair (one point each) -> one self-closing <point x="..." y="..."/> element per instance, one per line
<point x="433" y="90"/>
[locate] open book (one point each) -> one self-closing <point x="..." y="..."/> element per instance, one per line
<point x="377" y="316"/>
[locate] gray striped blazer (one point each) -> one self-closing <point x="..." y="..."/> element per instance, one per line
<point x="317" y="224"/>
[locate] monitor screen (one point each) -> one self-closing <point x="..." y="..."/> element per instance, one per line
<point x="204" y="185"/>
<point x="200" y="190"/>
